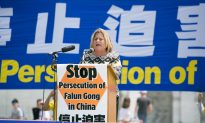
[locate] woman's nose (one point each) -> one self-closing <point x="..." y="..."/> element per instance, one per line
<point x="97" y="40"/>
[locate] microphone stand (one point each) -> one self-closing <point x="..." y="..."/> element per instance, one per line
<point x="54" y="68"/>
<point x="54" y="61"/>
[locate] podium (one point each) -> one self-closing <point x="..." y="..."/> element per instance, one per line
<point x="112" y="94"/>
<point x="86" y="92"/>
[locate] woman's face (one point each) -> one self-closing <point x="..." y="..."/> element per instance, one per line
<point x="99" y="42"/>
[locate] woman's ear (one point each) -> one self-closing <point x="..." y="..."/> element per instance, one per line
<point x="91" y="46"/>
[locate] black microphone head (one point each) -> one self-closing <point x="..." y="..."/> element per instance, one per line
<point x="68" y="48"/>
<point x="89" y="50"/>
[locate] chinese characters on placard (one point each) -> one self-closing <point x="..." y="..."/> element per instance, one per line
<point x="192" y="36"/>
<point x="136" y="30"/>
<point x="61" y="22"/>
<point x="5" y="30"/>
<point x="130" y="30"/>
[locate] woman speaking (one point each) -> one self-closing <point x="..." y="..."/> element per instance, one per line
<point x="101" y="52"/>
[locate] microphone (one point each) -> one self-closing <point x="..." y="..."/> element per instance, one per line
<point x="64" y="49"/>
<point x="89" y="50"/>
<point x="68" y="48"/>
<point x="55" y="55"/>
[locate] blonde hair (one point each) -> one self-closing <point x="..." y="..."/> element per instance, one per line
<point x="108" y="42"/>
